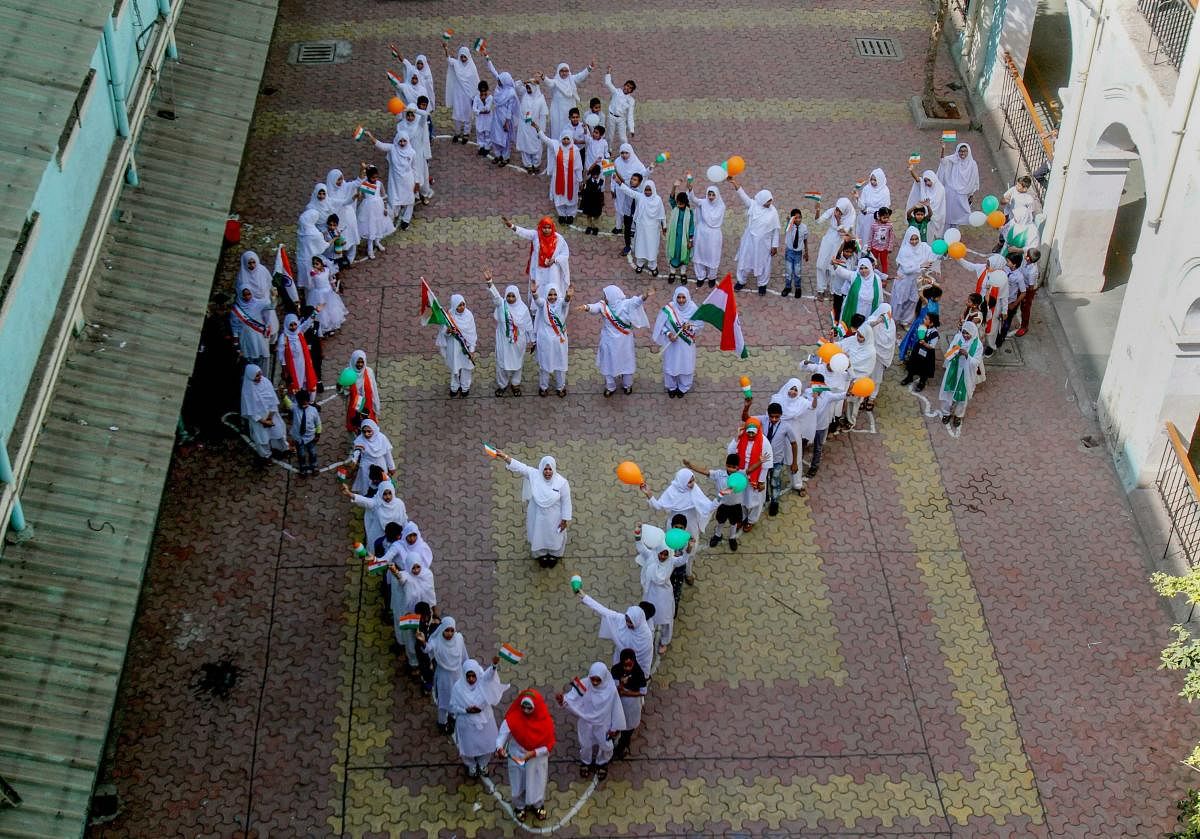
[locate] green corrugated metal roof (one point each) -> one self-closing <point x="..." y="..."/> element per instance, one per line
<point x="68" y="598"/>
<point x="44" y="57"/>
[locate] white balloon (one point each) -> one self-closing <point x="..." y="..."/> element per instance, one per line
<point x="840" y="363"/>
<point x="952" y="235"/>
<point x="978" y="218"/>
<point x="716" y="174"/>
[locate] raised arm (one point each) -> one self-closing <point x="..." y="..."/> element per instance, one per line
<point x="597" y="607"/>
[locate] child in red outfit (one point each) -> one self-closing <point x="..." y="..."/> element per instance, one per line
<point x="882" y="237"/>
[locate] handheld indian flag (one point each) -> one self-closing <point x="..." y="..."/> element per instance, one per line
<point x="662" y="157"/>
<point x="360" y="550"/>
<point x="285" y="280"/>
<point x="479" y="45"/>
<point x="511" y="654"/>
<point x="394" y="79"/>
<point x="949" y="136"/>
<point x="359" y="131"/>
<point x="578" y="686"/>
<point x="859" y="184"/>
<point x="408" y="623"/>
<point x="342" y="474"/>
<point x="490" y="451"/>
<point x="377" y="565"/>
<point x="813" y="196"/>
<point x="432" y="313"/>
<point x="607" y="168"/>
<point x="447" y="34"/>
<point x="395" y="52"/>
<point x="720" y="311"/>
<point x="914" y="159"/>
<point x="368" y="190"/>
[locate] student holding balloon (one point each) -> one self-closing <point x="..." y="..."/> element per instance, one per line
<point x="683" y="496"/>
<point x="657" y="559"/>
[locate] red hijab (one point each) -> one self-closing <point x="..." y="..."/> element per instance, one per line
<point x="531" y="731"/>
<point x="564" y="182"/>
<point x="546" y="244"/>
<point x="750" y="452"/>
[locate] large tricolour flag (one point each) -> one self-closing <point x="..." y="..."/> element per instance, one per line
<point x="283" y="276"/>
<point x="432" y="312"/>
<point x="720" y="311"/>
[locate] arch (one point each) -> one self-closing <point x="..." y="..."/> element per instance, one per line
<point x="1184" y="311"/>
<point x="1116" y="134"/>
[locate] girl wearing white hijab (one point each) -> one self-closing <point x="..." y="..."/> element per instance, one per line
<point x="677" y="337"/>
<point x="448" y="650"/>
<point x="371" y="448"/>
<point x="959" y="174"/>
<point x="564" y="95"/>
<point x="962" y="358"/>
<point x="310" y="242"/>
<point x="861" y="289"/>
<point x="383" y="508"/>
<point x="462" y="83"/>
<point x="615" y="354"/>
<point x="656" y="562"/>
<point x="928" y="190"/>
<point x="530" y="125"/>
<point x="514" y="333"/>
<point x="504" y="114"/>
<point x="859" y="347"/>
<point x="260" y="407"/>
<point x="600" y="718"/>
<point x="254" y="274"/>
<point x="420" y="67"/>
<point x="649" y="223"/>
<point x="547" y="497"/>
<point x="564" y="163"/>
<point x="472" y="701"/>
<point x="296" y="369"/>
<point x="883" y="327"/>
<point x="799" y="414"/>
<point x="912" y="259"/>
<point x="874" y="195"/>
<point x="550" y="336"/>
<point x="319" y="201"/>
<point x="411" y="124"/>
<point x="626" y="165"/>
<point x="683" y="497"/>
<point x="456" y="343"/>
<point x="706" y="248"/>
<point x="840" y="221"/>
<point x="411" y="582"/>
<point x="362" y="397"/>
<point x="343" y="195"/>
<point x="253" y="323"/>
<point x="760" y="241"/>
<point x="627" y="630"/>
<point x="324" y="299"/>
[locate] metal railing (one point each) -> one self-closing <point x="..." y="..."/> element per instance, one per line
<point x="1179" y="489"/>
<point x="1170" y="24"/>
<point x="1032" y="140"/>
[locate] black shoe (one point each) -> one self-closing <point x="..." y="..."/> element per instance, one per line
<point x="762" y="291"/>
<point x="714" y="541"/>
<point x="638" y="270"/>
<point x="500" y="391"/>
<point x="712" y="283"/>
<point x="404" y="225"/>
<point x="616" y="231"/>
<point x="946" y="420"/>
<point x="602" y="771"/>
<point x="570" y="219"/>
<point x="627" y="390"/>
<point x="956" y="422"/>
<point x="653" y="272"/>
<point x="625" y="251"/>
<point x="773" y="508"/>
<point x="908" y="380"/>
<point x="733" y="545"/>
<point x="699" y="283"/>
<point x="739" y="286"/>
<point x="811" y="473"/>
<point x="988" y="352"/>
<point x="543" y="391"/>
<point x="786" y="292"/>
<point x="920" y="386"/>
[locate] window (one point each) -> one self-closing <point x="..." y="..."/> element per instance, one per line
<point x="68" y="132"/>
<point x="17" y="258"/>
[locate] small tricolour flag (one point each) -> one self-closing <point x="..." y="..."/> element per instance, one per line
<point x="394" y="79"/>
<point x="720" y="311"/>
<point x="949" y="136"/>
<point x="511" y="654"/>
<point x="479" y="44"/>
<point x="447" y="35"/>
<point x="813" y="196"/>
<point x="359" y="131"/>
<point x="395" y="52"/>
<point x="377" y="565"/>
<point x="859" y="184"/>
<point x="408" y="623"/>
<point x="368" y="189"/>
<point x="490" y="451"/>
<point x="578" y="686"/>
<point x="607" y="168"/>
<point x="283" y="276"/>
<point x="914" y="159"/>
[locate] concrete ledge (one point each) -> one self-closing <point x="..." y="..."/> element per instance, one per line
<point x="928" y="123"/>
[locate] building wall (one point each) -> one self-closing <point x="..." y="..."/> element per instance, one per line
<point x="63" y="201"/>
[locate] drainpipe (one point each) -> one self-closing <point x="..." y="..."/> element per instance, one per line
<point x="115" y="85"/>
<point x="1179" y="133"/>
<point x="164" y="12"/>
<point x="1098" y="23"/>
<point x="131" y="173"/>
<point x="17" y="519"/>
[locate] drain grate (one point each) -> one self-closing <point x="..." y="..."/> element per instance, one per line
<point x="316" y="52"/>
<point x="876" y="48"/>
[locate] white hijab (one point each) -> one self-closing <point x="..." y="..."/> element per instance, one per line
<point x="627" y="308"/>
<point x="420" y="587"/>
<point x="761" y="220"/>
<point x="874" y="197"/>
<point x="378" y="446"/>
<point x="936" y="195"/>
<point x="419" y="551"/>
<point x="649" y="207"/>
<point x="654" y="572"/>
<point x="678" y="498"/>
<point x="682" y="313"/>
<point x="596" y="706"/>
<point x="793" y="406"/>
<point x="486" y="692"/>
<point x="341" y="195"/>
<point x="848" y="214"/>
<point x="463" y="75"/>
<point x="465" y="321"/>
<point x="640" y="638"/>
<point x="324" y="207"/>
<point x="565" y="87"/>
<point x="884" y="332"/>
<point x="960" y="175"/>
<point x="910" y="259"/>
<point x="451" y="654"/>
<point x="518" y="311"/>
<point x="258" y="398"/>
<point x="426" y="75"/>
<point x="258" y="280"/>
<point x="628" y="168"/>
<point x="294" y="339"/>
<point x="712" y="213"/>
<point x="545" y="493"/>
<point x="389" y="511"/>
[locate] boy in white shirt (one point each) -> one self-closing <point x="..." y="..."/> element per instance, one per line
<point x="481" y="106"/>
<point x="620" y="110"/>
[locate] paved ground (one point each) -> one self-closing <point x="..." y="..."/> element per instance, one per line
<point x="947" y="637"/>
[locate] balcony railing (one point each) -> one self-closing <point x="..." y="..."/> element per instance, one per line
<point x="1170" y="24"/>
<point x="1179" y="490"/>
<point x="1031" y="137"/>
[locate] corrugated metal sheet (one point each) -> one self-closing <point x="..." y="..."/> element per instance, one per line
<point x="68" y="598"/>
<point x="44" y="56"/>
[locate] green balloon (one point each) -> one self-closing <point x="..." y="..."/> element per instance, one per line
<point x="677" y="538"/>
<point x="990" y="204"/>
<point x="939" y="247"/>
<point x="347" y="377"/>
<point x="737" y="481"/>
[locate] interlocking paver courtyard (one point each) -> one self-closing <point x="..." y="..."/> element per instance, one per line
<point x="946" y="637"/>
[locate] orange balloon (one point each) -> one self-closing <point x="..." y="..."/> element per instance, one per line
<point x="996" y="219"/>
<point x="744" y="381"/>
<point x="735" y="166"/>
<point x="957" y="250"/>
<point x="827" y="351"/>
<point x="396" y="105"/>
<point x="863" y="387"/>
<point x="628" y="472"/>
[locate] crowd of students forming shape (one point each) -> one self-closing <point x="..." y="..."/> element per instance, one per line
<point x="770" y="449"/>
